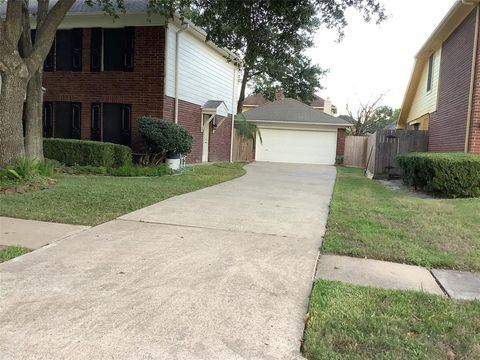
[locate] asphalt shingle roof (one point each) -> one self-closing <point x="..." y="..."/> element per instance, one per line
<point x="291" y="110"/>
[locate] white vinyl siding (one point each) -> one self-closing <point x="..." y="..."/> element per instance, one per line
<point x="204" y="74"/>
<point x="425" y="102"/>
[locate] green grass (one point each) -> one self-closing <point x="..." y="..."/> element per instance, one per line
<point x="91" y="200"/>
<point x="369" y="220"/>
<point x="10" y="252"/>
<point x="354" y="323"/>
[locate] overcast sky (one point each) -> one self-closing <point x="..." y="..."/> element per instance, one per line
<point x="373" y="59"/>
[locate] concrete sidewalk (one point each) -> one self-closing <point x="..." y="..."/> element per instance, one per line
<point x="221" y="273"/>
<point x="389" y="275"/>
<point x="375" y="273"/>
<point x="34" y="234"/>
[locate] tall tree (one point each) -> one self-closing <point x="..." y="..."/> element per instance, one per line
<point x="270" y="36"/>
<point x="16" y="71"/>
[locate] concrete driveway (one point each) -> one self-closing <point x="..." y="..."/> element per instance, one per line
<point x="220" y="273"/>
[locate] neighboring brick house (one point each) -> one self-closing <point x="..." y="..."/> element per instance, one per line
<point x="102" y="75"/>
<point x="443" y="95"/>
<point x="255" y="100"/>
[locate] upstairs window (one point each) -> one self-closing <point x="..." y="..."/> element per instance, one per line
<point x="430" y="73"/>
<point x="66" y="51"/>
<point x="112" y="49"/>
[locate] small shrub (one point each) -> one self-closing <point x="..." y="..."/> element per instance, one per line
<point x="25" y="175"/>
<point x="452" y="174"/>
<point x="84" y="152"/>
<point x="163" y="138"/>
<point x="26" y="169"/>
<point x="47" y="167"/>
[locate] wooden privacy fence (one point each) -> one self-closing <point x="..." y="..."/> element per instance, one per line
<point x="355" y="151"/>
<point x="384" y="146"/>
<point x="243" y="148"/>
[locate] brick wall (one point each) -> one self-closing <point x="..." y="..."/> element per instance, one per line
<point x="447" y="126"/>
<point x="143" y="88"/>
<point x="189" y="116"/>
<point x="474" y="140"/>
<point x="340" y="145"/>
<point x="220" y="141"/>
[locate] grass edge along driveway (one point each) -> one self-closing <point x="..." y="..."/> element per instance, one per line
<point x="356" y="323"/>
<point x="10" y="252"/>
<point x="369" y="220"/>
<point x="92" y="200"/>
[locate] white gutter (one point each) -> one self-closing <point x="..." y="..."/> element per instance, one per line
<point x="234" y="97"/>
<point x="177" y="55"/>
<point x="298" y="122"/>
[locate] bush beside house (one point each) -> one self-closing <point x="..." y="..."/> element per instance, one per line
<point x="84" y="152"/>
<point x="452" y="174"/>
<point x="163" y="138"/>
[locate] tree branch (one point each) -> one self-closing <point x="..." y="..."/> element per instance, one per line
<point x="46" y="33"/>
<point x="12" y="23"/>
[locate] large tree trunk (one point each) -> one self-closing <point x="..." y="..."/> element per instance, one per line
<point x="11" y="108"/>
<point x="33" y="118"/>
<point x="241" y="97"/>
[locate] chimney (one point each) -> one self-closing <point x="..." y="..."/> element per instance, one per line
<point x="279" y="95"/>
<point x="327" y="106"/>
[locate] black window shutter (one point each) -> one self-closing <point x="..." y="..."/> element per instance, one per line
<point x="47" y="119"/>
<point x="76" y="120"/>
<point x="77" y="49"/>
<point x="96" y="113"/>
<point x="48" y="64"/>
<point x="96" y="49"/>
<point x="126" y="124"/>
<point x="128" y="54"/>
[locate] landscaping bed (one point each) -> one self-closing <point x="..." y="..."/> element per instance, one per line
<point x="369" y="220"/>
<point x="91" y="200"/>
<point x="354" y="322"/>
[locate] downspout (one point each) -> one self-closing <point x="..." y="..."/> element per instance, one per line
<point x="184" y="27"/>
<point x="472" y="81"/>
<point x="233" y="115"/>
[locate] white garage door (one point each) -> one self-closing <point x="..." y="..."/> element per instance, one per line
<point x="297" y="146"/>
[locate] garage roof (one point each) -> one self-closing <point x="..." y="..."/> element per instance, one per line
<point x="291" y="110"/>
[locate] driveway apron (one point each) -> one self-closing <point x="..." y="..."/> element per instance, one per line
<point x="221" y="273"/>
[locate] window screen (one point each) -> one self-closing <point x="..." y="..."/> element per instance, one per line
<point x="67" y="122"/>
<point x="113" y="49"/>
<point x="116" y="123"/>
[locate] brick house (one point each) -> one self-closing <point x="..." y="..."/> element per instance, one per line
<point x="103" y="74"/>
<point x="443" y="95"/>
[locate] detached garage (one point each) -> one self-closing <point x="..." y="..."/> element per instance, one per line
<point x="293" y="132"/>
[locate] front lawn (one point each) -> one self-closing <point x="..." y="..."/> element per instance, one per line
<point x="91" y="200"/>
<point x="369" y="220"/>
<point x="10" y="252"/>
<point x="355" y="323"/>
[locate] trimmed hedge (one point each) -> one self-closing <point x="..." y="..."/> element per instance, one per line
<point x="84" y="152"/>
<point x="125" y="171"/>
<point x="163" y="137"/>
<point x="452" y="174"/>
